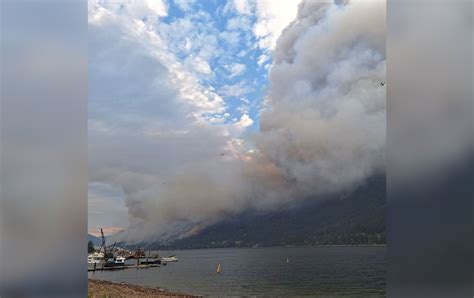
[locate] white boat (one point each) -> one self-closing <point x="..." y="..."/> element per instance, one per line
<point x="115" y="261"/>
<point x="95" y="259"/>
<point x="172" y="258"/>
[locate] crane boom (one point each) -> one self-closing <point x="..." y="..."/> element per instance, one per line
<point x="103" y="242"/>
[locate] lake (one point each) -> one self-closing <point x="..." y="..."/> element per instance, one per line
<point x="310" y="271"/>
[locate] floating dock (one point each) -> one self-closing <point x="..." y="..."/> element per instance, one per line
<point x="105" y="268"/>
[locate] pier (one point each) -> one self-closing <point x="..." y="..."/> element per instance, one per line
<point x="102" y="267"/>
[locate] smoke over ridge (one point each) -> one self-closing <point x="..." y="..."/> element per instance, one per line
<point x="322" y="129"/>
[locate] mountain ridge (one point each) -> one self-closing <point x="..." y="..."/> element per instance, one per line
<point x="353" y="218"/>
<point x="95" y="240"/>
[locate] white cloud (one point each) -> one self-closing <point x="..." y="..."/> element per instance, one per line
<point x="245" y="100"/>
<point x="136" y="9"/>
<point x="235" y="90"/>
<point x="240" y="6"/>
<point x="198" y="64"/>
<point x="184" y="5"/>
<point x="238" y="23"/>
<point x="272" y="18"/>
<point x="244" y="109"/>
<point x="237" y="69"/>
<point x="151" y="115"/>
<point x="195" y="38"/>
<point x="231" y="37"/>
<point x="244" y="122"/>
<point x="262" y="59"/>
<point x="242" y="53"/>
<point x="144" y="8"/>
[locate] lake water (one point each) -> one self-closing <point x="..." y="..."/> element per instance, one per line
<point x="316" y="271"/>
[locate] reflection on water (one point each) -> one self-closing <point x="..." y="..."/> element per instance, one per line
<point x="276" y="271"/>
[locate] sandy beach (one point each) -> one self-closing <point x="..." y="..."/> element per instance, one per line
<point x="107" y="289"/>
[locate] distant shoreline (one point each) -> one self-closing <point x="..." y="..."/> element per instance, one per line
<point x="276" y="246"/>
<point x="101" y="288"/>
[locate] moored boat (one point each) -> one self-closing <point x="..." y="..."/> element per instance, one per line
<point x="115" y="261"/>
<point x="96" y="257"/>
<point x="172" y="258"/>
<point x="95" y="260"/>
<point x="150" y="262"/>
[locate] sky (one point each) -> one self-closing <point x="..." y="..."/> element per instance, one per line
<point x="218" y="52"/>
<point x="201" y="110"/>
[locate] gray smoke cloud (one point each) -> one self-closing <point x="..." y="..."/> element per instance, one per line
<point x="324" y="125"/>
<point x="322" y="129"/>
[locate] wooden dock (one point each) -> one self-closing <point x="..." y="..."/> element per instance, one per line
<point x="104" y="268"/>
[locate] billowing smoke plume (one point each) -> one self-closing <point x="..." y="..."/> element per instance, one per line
<point x="324" y="124"/>
<point x="322" y="130"/>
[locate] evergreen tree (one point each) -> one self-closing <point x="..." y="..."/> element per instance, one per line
<point x="90" y="247"/>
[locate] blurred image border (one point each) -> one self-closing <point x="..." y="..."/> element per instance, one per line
<point x="43" y="206"/>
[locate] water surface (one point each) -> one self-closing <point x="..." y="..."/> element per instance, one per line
<point x="311" y="271"/>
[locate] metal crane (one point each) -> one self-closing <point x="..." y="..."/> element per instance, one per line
<point x="103" y="242"/>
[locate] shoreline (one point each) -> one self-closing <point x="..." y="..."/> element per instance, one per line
<point x="102" y="288"/>
<point x="276" y="246"/>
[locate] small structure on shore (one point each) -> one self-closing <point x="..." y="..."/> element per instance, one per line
<point x="139" y="253"/>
